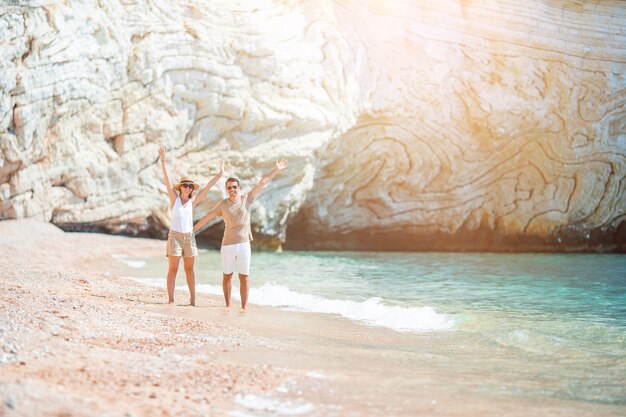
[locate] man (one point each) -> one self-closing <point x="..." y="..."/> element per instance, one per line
<point x="235" y="210"/>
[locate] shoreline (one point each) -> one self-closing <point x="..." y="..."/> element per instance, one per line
<point x="75" y="341"/>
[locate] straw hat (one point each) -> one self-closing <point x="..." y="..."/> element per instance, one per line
<point x="186" y="180"/>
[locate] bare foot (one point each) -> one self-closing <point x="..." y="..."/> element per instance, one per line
<point x="170" y="302"/>
<point x="192" y="302"/>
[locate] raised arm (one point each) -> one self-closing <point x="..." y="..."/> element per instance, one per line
<point x="212" y="214"/>
<point x="168" y="183"/>
<point x="210" y="184"/>
<point x="279" y="166"/>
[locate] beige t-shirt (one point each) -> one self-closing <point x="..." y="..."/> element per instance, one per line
<point x="236" y="219"/>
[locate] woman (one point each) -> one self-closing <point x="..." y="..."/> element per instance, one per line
<point x="181" y="240"/>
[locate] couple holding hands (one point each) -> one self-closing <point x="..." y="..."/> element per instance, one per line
<point x="234" y="210"/>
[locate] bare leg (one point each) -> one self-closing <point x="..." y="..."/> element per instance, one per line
<point x="171" y="277"/>
<point x="191" y="279"/>
<point x="243" y="290"/>
<point x="227" y="286"/>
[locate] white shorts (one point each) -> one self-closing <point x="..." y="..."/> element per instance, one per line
<point x="238" y="254"/>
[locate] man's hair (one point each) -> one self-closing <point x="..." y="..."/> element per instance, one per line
<point x="232" y="179"/>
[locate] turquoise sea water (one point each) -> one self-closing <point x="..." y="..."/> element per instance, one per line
<point x="559" y="317"/>
<point x="580" y="287"/>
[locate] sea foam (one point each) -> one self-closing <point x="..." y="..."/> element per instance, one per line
<point x="137" y="264"/>
<point x="266" y="405"/>
<point x="371" y="311"/>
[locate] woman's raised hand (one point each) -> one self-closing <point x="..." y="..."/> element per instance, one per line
<point x="221" y="169"/>
<point x="282" y="164"/>
<point x="162" y="152"/>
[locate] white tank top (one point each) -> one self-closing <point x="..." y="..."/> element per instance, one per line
<point x="182" y="217"/>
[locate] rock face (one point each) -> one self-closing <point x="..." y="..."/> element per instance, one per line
<point x="408" y="125"/>
<point x="490" y="127"/>
<point x="90" y="91"/>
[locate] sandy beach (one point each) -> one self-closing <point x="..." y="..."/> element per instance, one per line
<point x="79" y="340"/>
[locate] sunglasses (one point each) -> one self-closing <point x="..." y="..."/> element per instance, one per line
<point x="232" y="187"/>
<point x="186" y="186"/>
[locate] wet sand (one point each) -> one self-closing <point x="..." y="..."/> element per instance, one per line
<point x="75" y="341"/>
<point x="343" y="368"/>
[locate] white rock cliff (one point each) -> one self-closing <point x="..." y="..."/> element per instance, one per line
<point x="429" y="125"/>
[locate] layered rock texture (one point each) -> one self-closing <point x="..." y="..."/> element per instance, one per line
<point x="426" y="125"/>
